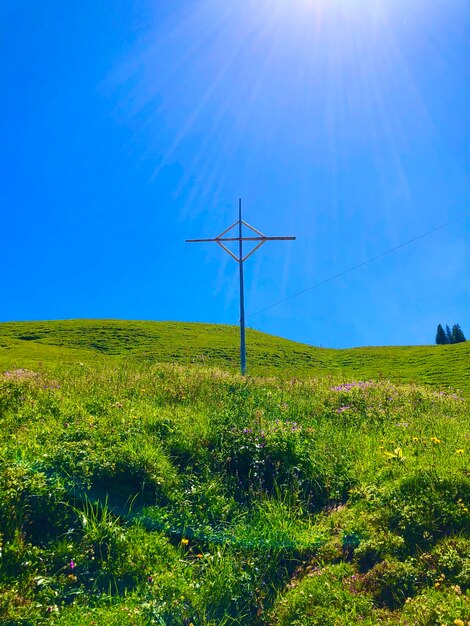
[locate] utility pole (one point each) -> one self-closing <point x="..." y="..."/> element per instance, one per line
<point x="259" y="240"/>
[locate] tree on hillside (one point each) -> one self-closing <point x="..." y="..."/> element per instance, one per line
<point x="448" y="334"/>
<point x="457" y="334"/>
<point x="440" y="335"/>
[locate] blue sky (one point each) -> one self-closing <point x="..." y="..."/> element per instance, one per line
<point x="130" y="126"/>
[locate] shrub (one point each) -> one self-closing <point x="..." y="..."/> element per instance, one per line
<point x="434" y="607"/>
<point x="32" y="503"/>
<point x="380" y="545"/>
<point x="448" y="561"/>
<point x="391" y="582"/>
<point x="284" y="455"/>
<point x="425" y="506"/>
<point x="322" y="598"/>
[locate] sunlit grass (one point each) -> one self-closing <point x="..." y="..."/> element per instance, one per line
<point x="140" y="493"/>
<point x="90" y="341"/>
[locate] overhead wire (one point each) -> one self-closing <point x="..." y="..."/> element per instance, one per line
<point x="355" y="267"/>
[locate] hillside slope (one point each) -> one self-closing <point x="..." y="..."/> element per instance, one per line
<point x="23" y="343"/>
<point x="137" y="492"/>
<point x="140" y="494"/>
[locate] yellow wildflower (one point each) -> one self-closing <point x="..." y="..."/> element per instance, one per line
<point x="460" y="451"/>
<point x="458" y="622"/>
<point x="185" y="542"/>
<point x="435" y="440"/>
<point x="415" y="439"/>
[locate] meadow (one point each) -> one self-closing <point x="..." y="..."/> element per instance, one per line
<point x="218" y="345"/>
<point x="144" y="481"/>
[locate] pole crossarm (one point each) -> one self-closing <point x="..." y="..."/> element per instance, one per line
<point x="259" y="239"/>
<point x="263" y="239"/>
<point x="221" y="239"/>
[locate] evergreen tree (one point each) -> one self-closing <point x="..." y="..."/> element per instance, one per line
<point x="440" y="335"/>
<point x="457" y="334"/>
<point x="448" y="334"/>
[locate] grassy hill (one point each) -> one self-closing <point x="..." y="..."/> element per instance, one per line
<point x="141" y="485"/>
<point x="217" y="345"/>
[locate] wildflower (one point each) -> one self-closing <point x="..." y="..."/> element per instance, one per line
<point x="150" y="579"/>
<point x="199" y="556"/>
<point x="459" y="451"/>
<point x="348" y="386"/>
<point x="184" y="542"/>
<point x="72" y="564"/>
<point x="458" y="622"/>
<point x="415" y="439"/>
<point x="396" y="455"/>
<point x="436" y="440"/>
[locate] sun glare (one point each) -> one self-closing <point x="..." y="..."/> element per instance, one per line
<point x="306" y="72"/>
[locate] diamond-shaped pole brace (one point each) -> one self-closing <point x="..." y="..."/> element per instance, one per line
<point x="222" y="240"/>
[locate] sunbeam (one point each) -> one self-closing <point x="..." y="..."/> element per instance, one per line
<point x="313" y="110"/>
<point x="128" y="127"/>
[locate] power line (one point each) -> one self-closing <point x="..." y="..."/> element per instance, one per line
<point x="355" y="267"/>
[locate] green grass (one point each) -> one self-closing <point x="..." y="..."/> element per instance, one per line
<point x="139" y="484"/>
<point x="217" y="345"/>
